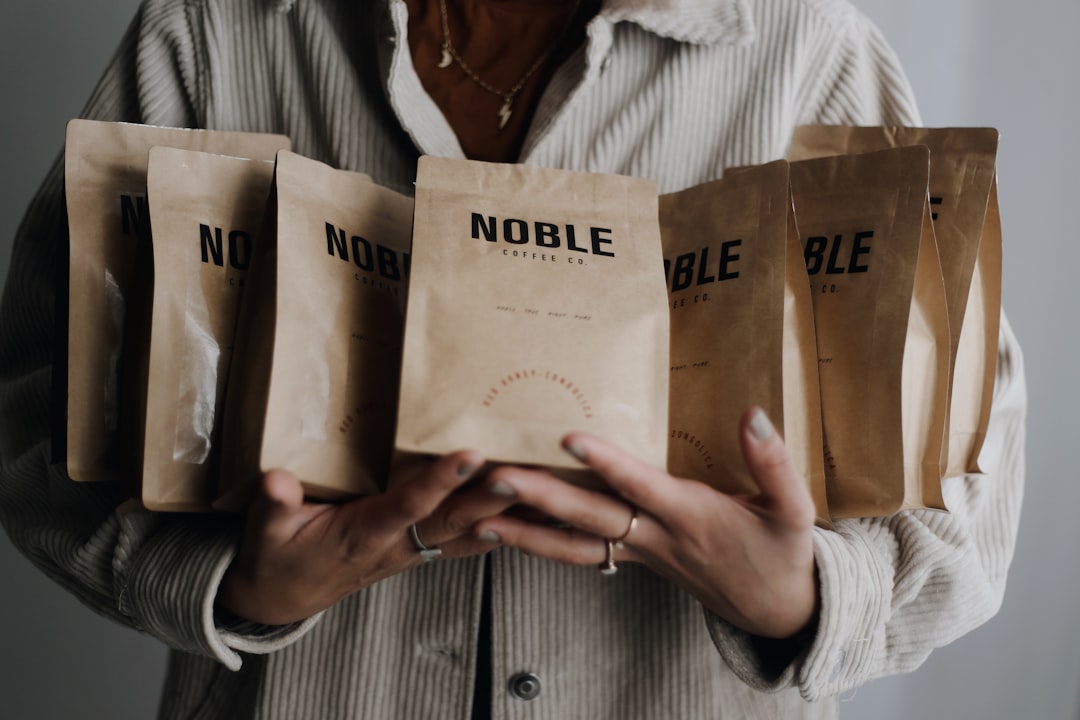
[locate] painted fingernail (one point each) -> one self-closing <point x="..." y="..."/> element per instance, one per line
<point x="760" y="427"/>
<point x="488" y="536"/>
<point x="465" y="470"/>
<point x="576" y="449"/>
<point x="501" y="489"/>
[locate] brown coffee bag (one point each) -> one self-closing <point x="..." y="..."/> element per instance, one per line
<point x="207" y="210"/>
<point x="882" y="327"/>
<point x="962" y="177"/>
<point x="313" y="386"/>
<point x="536" y="306"/>
<point x="742" y="328"/>
<point x="105" y="181"/>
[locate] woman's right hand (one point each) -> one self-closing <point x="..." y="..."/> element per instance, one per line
<point x="299" y="558"/>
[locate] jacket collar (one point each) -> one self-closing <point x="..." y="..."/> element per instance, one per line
<point x="701" y="22"/>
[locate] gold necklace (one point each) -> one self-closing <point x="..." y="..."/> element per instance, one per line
<point x="449" y="55"/>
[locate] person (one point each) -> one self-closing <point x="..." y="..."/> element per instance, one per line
<point x="720" y="607"/>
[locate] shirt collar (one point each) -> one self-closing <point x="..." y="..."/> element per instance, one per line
<point x="701" y="22"/>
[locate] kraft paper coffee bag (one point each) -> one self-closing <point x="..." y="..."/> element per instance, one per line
<point x="313" y="384"/>
<point x="207" y="211"/>
<point x="962" y="178"/>
<point x="882" y="327"/>
<point x="105" y="183"/>
<point x="742" y="328"/>
<point x="536" y="306"/>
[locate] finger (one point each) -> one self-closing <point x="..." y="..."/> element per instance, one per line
<point x="467" y="545"/>
<point x="570" y="546"/>
<point x="596" y="513"/>
<point x="386" y="520"/>
<point x="457" y="543"/>
<point x="642" y="484"/>
<point x="463" y="509"/>
<point x="409" y="502"/>
<point x="277" y="512"/>
<point x="770" y="463"/>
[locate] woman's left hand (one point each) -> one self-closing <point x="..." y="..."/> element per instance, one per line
<point x="749" y="559"/>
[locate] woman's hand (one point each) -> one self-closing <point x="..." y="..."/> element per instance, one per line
<point x="749" y="559"/>
<point x="299" y="558"/>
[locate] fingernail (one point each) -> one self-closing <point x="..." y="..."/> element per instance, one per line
<point x="577" y="450"/>
<point x="761" y="429"/>
<point x="488" y="536"/>
<point x="501" y="489"/>
<point x="465" y="470"/>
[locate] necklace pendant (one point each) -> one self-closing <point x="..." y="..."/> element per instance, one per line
<point x="445" y="60"/>
<point x="504" y="113"/>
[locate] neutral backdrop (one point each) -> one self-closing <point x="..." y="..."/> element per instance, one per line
<point x="973" y="62"/>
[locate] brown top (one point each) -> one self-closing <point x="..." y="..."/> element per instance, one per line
<point x="500" y="40"/>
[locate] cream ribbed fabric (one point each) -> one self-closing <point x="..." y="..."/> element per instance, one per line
<point x="676" y="91"/>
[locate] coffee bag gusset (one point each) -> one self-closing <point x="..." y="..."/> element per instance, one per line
<point x="882" y="327"/>
<point x="328" y="316"/>
<point x="248" y="384"/>
<point x="802" y="386"/>
<point x="734" y="309"/>
<point x="105" y="184"/>
<point x="537" y="306"/>
<point x="207" y="210"/>
<point x="978" y="345"/>
<point x="962" y="174"/>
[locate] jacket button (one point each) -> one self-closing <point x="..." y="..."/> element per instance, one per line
<point x="525" y="686"/>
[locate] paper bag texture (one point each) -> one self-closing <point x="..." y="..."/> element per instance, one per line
<point x="206" y="213"/>
<point x="105" y="181"/>
<point x="313" y="385"/>
<point x="882" y="327"/>
<point x="962" y="176"/>
<point x="536" y="306"/>
<point x="742" y="328"/>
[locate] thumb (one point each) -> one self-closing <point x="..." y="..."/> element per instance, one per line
<point x="769" y="461"/>
<point x="277" y="511"/>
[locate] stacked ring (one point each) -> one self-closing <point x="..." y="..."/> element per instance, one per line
<point x="630" y="527"/>
<point x="608" y="567"/>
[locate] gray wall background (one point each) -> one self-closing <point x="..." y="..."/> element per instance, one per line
<point x="973" y="62"/>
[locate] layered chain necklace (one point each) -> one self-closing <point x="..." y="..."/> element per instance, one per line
<point x="450" y="55"/>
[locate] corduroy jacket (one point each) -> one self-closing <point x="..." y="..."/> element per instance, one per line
<point x="673" y="90"/>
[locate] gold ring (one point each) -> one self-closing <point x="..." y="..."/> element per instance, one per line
<point x="608" y="567"/>
<point x="630" y="527"/>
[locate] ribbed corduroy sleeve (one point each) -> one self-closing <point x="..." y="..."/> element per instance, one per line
<point x="894" y="589"/>
<point x="158" y="574"/>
